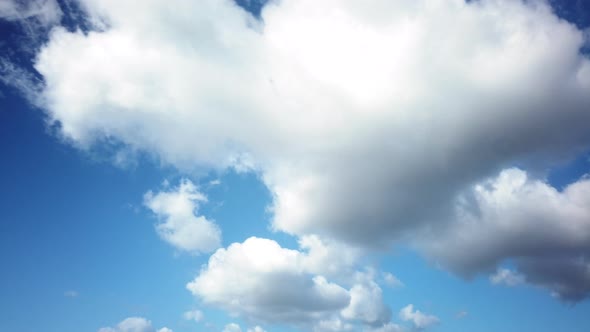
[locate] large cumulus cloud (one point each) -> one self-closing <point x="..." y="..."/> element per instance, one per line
<point x="367" y="121"/>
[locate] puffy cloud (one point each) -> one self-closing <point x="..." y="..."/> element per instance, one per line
<point x="180" y="226"/>
<point x="545" y="232"/>
<point x="356" y="115"/>
<point x="263" y="281"/>
<point x="391" y="280"/>
<point x="366" y="303"/>
<point x="207" y="85"/>
<point x="195" y="315"/>
<point x="232" y="327"/>
<point x="134" y="324"/>
<point x="506" y="277"/>
<point x="418" y="318"/>
<point x="45" y="12"/>
<point x="256" y="329"/>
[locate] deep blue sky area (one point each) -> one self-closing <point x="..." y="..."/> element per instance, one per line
<point x="79" y="250"/>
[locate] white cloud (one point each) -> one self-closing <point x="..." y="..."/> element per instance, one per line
<point x="181" y="226"/>
<point x="134" y="324"/>
<point x="356" y="115"/>
<point x="366" y="303"/>
<point x="418" y="318"/>
<point x="45" y="12"/>
<point x="333" y="324"/>
<point x="232" y="327"/>
<point x="263" y="281"/>
<point x="71" y="293"/>
<point x="256" y="329"/>
<point x="391" y="280"/>
<point x="507" y="277"/>
<point x="195" y="315"/>
<point x="513" y="216"/>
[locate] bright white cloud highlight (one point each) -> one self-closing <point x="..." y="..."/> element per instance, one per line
<point x="419" y="319"/>
<point x="180" y="225"/>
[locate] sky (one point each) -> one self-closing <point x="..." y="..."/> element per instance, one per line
<point x="294" y="165"/>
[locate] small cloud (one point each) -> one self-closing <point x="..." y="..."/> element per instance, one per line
<point x="71" y="293"/>
<point x="391" y="280"/>
<point x="256" y="329"/>
<point x="461" y="314"/>
<point x="418" y="318"/>
<point x="214" y="183"/>
<point x="232" y="327"/>
<point x="507" y="277"/>
<point x="195" y="315"/>
<point x="134" y="324"/>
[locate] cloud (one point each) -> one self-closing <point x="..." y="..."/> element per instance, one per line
<point x="45" y="12"/>
<point x="181" y="226"/>
<point x="545" y="232"/>
<point x="418" y="318"/>
<point x="263" y="281"/>
<point x="333" y="324"/>
<point x="366" y="303"/>
<point x="195" y="315"/>
<point x="232" y="327"/>
<point x="461" y="314"/>
<point x="256" y="329"/>
<point x="357" y="116"/>
<point x="506" y="277"/>
<point x="134" y="324"/>
<point x="391" y="280"/>
<point x="71" y="293"/>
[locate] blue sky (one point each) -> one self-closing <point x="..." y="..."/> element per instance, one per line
<point x="294" y="166"/>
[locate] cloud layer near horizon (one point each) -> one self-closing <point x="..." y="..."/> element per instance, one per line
<point x="369" y="122"/>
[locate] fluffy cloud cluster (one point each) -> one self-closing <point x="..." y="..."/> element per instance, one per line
<point x="418" y="318"/>
<point x="263" y="281"/>
<point x="134" y="324"/>
<point x="368" y="122"/>
<point x="545" y="232"/>
<point x="180" y="225"/>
